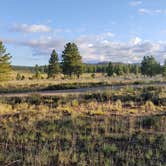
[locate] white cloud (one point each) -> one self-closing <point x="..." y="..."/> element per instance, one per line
<point x="151" y="11"/>
<point x="94" y="50"/>
<point x="90" y="45"/>
<point x="135" y="3"/>
<point x="144" y="11"/>
<point x="30" y="28"/>
<point x="132" y="51"/>
<point x="136" y="41"/>
<point x="41" y="46"/>
<point x="110" y="34"/>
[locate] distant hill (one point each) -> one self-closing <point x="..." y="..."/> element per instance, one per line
<point x="106" y="63"/>
<point x="23" y="68"/>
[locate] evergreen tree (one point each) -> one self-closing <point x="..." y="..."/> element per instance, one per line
<point x="71" y="60"/>
<point x="136" y="70"/>
<point x="37" y="72"/>
<point x="149" y="66"/>
<point x="53" y="67"/>
<point x="45" y="69"/>
<point x="119" y="69"/>
<point x="110" y="69"/>
<point x="126" y="69"/>
<point x="5" y="67"/>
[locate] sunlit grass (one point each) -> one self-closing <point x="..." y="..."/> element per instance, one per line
<point x="38" y="84"/>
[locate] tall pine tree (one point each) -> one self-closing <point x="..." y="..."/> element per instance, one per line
<point x="5" y="67"/>
<point x="53" y="67"/>
<point x="110" y="69"/>
<point x="71" y="60"/>
<point x="149" y="66"/>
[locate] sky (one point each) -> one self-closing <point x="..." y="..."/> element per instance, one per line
<point x="104" y="30"/>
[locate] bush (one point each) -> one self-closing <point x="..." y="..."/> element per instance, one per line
<point x="18" y="77"/>
<point x="149" y="106"/>
<point x="74" y="103"/>
<point x="5" y="108"/>
<point x="34" y="99"/>
<point x="148" y="122"/>
<point x="118" y="105"/>
<point x="93" y="75"/>
<point x="109" y="149"/>
<point x="149" y="154"/>
<point x="130" y="104"/>
<point x="22" y="77"/>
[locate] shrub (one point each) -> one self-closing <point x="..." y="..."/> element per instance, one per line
<point x="133" y="111"/>
<point x="15" y="100"/>
<point x="149" y="154"/>
<point x="106" y="95"/>
<point x="5" y="108"/>
<point x="74" y="103"/>
<point x="22" y="77"/>
<point x="34" y="99"/>
<point x="149" y="106"/>
<point x="148" y="122"/>
<point x="18" y="77"/>
<point x="130" y="104"/>
<point x="93" y="75"/>
<point x="109" y="149"/>
<point x="118" y="105"/>
<point x="151" y="139"/>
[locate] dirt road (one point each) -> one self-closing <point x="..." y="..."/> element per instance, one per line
<point x="74" y="91"/>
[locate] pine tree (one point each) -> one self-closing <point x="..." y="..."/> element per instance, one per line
<point x="5" y="67"/>
<point x="53" y="67"/>
<point x="110" y="69"/>
<point x="126" y="69"/>
<point x="45" y="69"/>
<point x="37" y="72"/>
<point x="136" y="70"/>
<point x="71" y="60"/>
<point x="149" y="66"/>
<point x="119" y="69"/>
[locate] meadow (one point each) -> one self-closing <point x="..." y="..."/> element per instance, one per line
<point x="116" y="126"/>
<point x="31" y="84"/>
<point x="40" y="137"/>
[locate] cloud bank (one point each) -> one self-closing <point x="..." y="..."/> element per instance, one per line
<point x="151" y="11"/>
<point x="98" y="48"/>
<point x="30" y="28"/>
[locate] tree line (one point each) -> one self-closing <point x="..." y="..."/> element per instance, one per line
<point x="72" y="64"/>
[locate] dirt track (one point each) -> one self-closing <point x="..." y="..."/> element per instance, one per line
<point x="57" y="92"/>
<point x="73" y="91"/>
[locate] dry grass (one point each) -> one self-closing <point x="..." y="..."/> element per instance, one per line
<point x="85" y="78"/>
<point x="90" y="108"/>
<point x="105" y="108"/>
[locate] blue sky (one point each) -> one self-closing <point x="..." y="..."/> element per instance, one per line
<point x="104" y="30"/>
